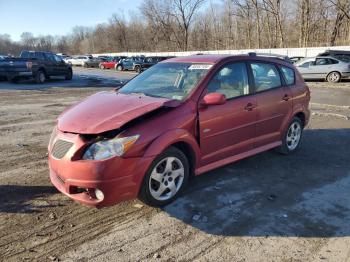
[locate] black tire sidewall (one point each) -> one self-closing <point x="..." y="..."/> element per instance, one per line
<point x="38" y="78"/>
<point x="145" y="194"/>
<point x="284" y="147"/>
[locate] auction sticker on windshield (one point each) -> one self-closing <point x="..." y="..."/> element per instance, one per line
<point x="200" y="67"/>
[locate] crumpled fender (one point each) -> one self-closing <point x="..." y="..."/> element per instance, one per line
<point x="171" y="137"/>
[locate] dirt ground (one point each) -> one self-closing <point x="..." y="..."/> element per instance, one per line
<point x="265" y="208"/>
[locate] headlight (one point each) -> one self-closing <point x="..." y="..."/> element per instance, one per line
<point x="109" y="148"/>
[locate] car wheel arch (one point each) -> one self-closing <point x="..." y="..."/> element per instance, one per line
<point x="301" y="116"/>
<point x="180" y="139"/>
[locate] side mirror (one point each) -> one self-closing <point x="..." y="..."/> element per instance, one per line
<point x="213" y="99"/>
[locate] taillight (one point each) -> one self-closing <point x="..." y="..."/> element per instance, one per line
<point x="29" y="65"/>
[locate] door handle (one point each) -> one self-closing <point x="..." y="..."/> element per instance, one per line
<point x="249" y="107"/>
<point x="286" y="97"/>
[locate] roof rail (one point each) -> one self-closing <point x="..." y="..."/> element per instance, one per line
<point x="281" y="57"/>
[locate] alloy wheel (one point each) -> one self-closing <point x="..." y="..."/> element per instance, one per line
<point x="293" y="135"/>
<point x="166" y="178"/>
<point x="334" y="77"/>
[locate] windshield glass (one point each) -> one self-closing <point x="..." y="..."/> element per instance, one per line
<point x="167" y="80"/>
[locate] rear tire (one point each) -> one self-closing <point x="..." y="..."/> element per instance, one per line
<point x="333" y="77"/>
<point x="40" y="77"/>
<point x="292" y="137"/>
<point x="166" y="178"/>
<point x="102" y="67"/>
<point x="119" y="68"/>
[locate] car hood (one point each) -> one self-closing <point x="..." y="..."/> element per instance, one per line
<point x="106" y="111"/>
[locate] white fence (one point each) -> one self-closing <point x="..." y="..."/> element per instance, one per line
<point x="305" y="52"/>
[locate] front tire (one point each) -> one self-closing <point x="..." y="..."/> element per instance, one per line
<point x="166" y="178"/>
<point x="333" y="77"/>
<point x="292" y="137"/>
<point x="138" y="69"/>
<point x="40" y="77"/>
<point x="119" y="68"/>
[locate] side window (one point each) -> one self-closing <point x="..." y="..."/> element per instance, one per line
<point x="333" y="61"/>
<point x="305" y="65"/>
<point x="288" y="74"/>
<point x="58" y="59"/>
<point x="322" y="61"/>
<point x="50" y="57"/>
<point x="39" y="56"/>
<point x="266" y="76"/>
<point x="231" y="80"/>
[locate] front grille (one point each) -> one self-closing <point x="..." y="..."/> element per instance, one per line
<point x="60" y="179"/>
<point x="61" y="148"/>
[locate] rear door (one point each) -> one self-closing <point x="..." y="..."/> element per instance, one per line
<point x="51" y="64"/>
<point x="274" y="102"/>
<point x="228" y="129"/>
<point x="61" y="66"/>
<point x="306" y="69"/>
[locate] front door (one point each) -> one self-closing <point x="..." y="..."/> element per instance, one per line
<point x="228" y="129"/>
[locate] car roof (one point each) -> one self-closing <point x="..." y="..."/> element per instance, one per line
<point x="211" y="59"/>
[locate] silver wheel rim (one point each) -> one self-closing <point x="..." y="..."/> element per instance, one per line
<point x="293" y="136"/>
<point x="166" y="178"/>
<point x="42" y="77"/>
<point x="333" y="77"/>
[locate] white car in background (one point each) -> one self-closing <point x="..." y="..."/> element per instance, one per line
<point x="323" y="67"/>
<point x="79" y="60"/>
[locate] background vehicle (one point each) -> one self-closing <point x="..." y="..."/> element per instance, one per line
<point x="35" y="64"/>
<point x="338" y="54"/>
<point x="295" y="59"/>
<point x="324" y="67"/>
<point x="147" y="63"/>
<point x="78" y="60"/>
<point x="110" y="63"/>
<point x="182" y="117"/>
<point x="132" y="64"/>
<point x="94" y="62"/>
<point x="2" y="74"/>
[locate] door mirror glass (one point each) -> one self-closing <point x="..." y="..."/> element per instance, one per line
<point x="214" y="99"/>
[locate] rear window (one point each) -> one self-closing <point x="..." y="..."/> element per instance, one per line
<point x="266" y="76"/>
<point x="288" y="74"/>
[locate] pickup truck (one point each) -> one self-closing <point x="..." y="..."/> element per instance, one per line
<point x="35" y="64"/>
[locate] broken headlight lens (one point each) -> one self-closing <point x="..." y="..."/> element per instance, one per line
<point x="109" y="148"/>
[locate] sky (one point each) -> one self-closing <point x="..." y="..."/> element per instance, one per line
<point x="58" y="17"/>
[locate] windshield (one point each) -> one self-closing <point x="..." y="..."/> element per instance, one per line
<point x="167" y="80"/>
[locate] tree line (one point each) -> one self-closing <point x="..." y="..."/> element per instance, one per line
<point x="183" y="25"/>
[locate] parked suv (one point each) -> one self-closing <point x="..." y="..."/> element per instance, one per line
<point x="180" y="118"/>
<point x="324" y="67"/>
<point x="78" y="60"/>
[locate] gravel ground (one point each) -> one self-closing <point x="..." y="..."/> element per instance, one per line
<point x="265" y="208"/>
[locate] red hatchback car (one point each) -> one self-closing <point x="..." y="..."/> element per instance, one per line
<point x="109" y="64"/>
<point x="180" y="118"/>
